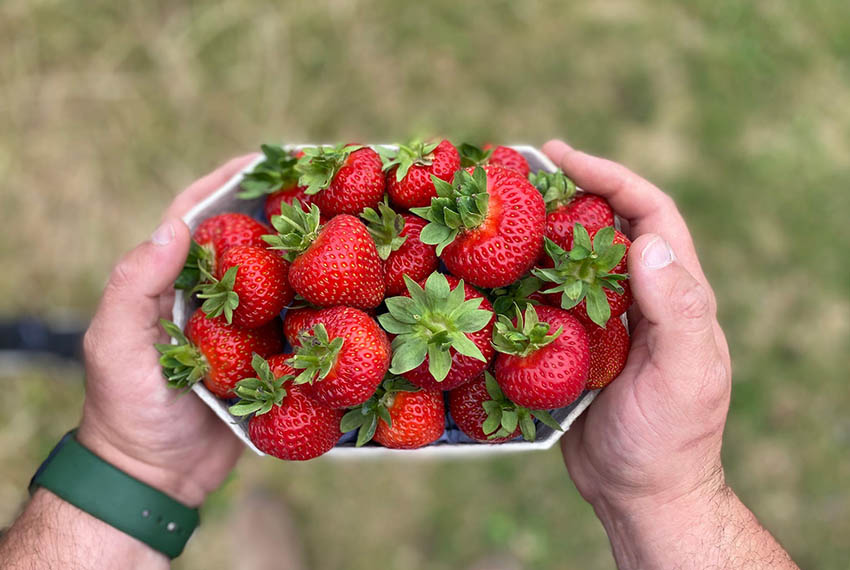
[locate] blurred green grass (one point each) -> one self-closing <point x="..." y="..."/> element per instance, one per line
<point x="738" y="110"/>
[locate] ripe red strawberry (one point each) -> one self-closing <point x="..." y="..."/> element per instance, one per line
<point x="333" y="264"/>
<point x="409" y="170"/>
<point x="506" y="157"/>
<point x="609" y="349"/>
<point x="536" y="369"/>
<point x="286" y="422"/>
<point x="342" y="358"/>
<point x="397" y="240"/>
<point x="286" y="196"/>
<point x="443" y="332"/>
<point x="296" y="320"/>
<point x="342" y="179"/>
<point x="251" y="287"/>
<point x="481" y="411"/>
<point x="399" y="415"/>
<point x="564" y="208"/>
<point x="215" y="352"/>
<point x="488" y="225"/>
<point x="212" y="238"/>
<point x="588" y="277"/>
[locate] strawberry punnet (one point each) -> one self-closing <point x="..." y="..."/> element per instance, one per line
<point x="503" y="156"/>
<point x="609" y="349"/>
<point x="481" y="411"/>
<point x="397" y="239"/>
<point x="286" y="423"/>
<point x="343" y="179"/>
<point x="565" y="209"/>
<point x="251" y="287"/>
<point x="399" y="415"/>
<point x="536" y="369"/>
<point x="410" y="168"/>
<point x="442" y="330"/>
<point x="342" y="357"/>
<point x="589" y="276"/>
<point x="214" y="351"/>
<point x="487" y="225"/>
<point x="211" y="239"/>
<point x="331" y="264"/>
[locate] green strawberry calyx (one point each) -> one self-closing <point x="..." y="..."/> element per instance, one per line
<point x="430" y="322"/>
<point x="525" y="337"/>
<point x="503" y="415"/>
<point x="258" y="395"/>
<point x="515" y="296"/>
<point x="471" y="155"/>
<point x="584" y="272"/>
<point x="364" y="418"/>
<point x="274" y="173"/>
<point x="196" y="269"/>
<point x="182" y="363"/>
<point x="385" y="227"/>
<point x="219" y="296"/>
<point x="416" y="152"/>
<point x="458" y="206"/>
<point x="555" y="187"/>
<point x="318" y="166"/>
<point x="296" y="229"/>
<point x="316" y="354"/>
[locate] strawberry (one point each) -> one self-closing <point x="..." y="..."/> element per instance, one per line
<point x="275" y="179"/>
<point x="397" y="239"/>
<point x="251" y="287"/>
<point x="506" y="157"/>
<point x="481" y="411"/>
<point x="286" y="196"/>
<point x="214" y="351"/>
<point x="564" y="208"/>
<point x="409" y="170"/>
<point x="538" y="370"/>
<point x="342" y="357"/>
<point x="332" y="264"/>
<point x="443" y="332"/>
<point x="342" y="179"/>
<point x="296" y="320"/>
<point x="399" y="415"/>
<point x="609" y="349"/>
<point x="286" y="423"/>
<point x="488" y="225"/>
<point x="212" y="238"/>
<point x="589" y="277"/>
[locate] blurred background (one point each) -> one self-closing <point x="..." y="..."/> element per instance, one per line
<point x="741" y="111"/>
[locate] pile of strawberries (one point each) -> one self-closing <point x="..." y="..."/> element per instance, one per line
<point x="412" y="280"/>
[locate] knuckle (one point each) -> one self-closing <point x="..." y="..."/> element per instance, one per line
<point x="690" y="301"/>
<point x="122" y="275"/>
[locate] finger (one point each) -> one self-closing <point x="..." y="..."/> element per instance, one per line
<point x="205" y="186"/>
<point x="129" y="311"/>
<point x="679" y="316"/>
<point x="648" y="209"/>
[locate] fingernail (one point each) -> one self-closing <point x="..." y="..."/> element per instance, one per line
<point x="163" y="235"/>
<point x="657" y="254"/>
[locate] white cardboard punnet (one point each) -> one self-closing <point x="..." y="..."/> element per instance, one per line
<point x="453" y="443"/>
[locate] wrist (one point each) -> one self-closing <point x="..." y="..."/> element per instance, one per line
<point x="129" y="459"/>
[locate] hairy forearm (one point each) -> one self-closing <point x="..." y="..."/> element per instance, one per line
<point x="51" y="533"/>
<point x="712" y="530"/>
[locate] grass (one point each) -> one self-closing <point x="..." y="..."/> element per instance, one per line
<point x="736" y="109"/>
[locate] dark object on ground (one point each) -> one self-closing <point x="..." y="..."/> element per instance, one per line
<point x="28" y="334"/>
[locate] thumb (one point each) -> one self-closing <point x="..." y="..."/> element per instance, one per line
<point x="679" y="314"/>
<point x="129" y="309"/>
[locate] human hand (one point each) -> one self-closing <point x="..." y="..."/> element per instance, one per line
<point x="651" y="440"/>
<point x="131" y="418"/>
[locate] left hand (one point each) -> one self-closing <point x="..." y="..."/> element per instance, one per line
<point x="131" y="419"/>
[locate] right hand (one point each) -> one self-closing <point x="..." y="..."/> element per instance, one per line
<point x="652" y="438"/>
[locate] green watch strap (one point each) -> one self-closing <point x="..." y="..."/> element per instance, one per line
<point x="91" y="484"/>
